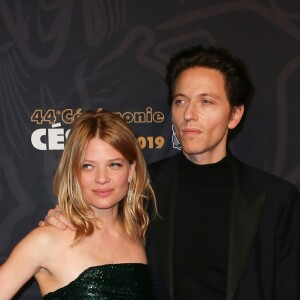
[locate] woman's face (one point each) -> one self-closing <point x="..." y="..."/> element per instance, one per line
<point x="104" y="177"/>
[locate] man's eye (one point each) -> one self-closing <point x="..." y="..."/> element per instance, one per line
<point x="206" y="101"/>
<point x="179" y="101"/>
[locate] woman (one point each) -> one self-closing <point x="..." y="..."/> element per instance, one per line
<point x="103" y="188"/>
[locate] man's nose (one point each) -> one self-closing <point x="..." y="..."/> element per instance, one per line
<point x="190" y="112"/>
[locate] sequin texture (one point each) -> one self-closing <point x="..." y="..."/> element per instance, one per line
<point x="109" y="282"/>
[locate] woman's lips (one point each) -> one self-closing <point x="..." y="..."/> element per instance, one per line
<point x="103" y="193"/>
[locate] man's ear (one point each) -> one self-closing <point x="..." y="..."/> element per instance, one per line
<point x="236" y="116"/>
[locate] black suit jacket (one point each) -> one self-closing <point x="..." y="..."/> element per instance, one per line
<point x="264" y="238"/>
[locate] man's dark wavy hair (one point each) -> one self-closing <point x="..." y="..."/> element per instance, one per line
<point x="238" y="86"/>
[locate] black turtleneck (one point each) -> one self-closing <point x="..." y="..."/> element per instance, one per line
<point x="202" y="229"/>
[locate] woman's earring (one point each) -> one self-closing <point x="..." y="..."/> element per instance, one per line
<point x="175" y="141"/>
<point x="130" y="195"/>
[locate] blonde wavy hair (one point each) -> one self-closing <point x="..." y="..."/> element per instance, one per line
<point x="112" y="129"/>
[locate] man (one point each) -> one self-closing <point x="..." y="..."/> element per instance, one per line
<point x="226" y="230"/>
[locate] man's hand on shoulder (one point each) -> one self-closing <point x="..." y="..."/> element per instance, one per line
<point x="57" y="219"/>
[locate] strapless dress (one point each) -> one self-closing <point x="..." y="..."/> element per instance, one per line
<point x="109" y="282"/>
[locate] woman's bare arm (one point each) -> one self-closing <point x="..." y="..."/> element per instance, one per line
<point x="26" y="259"/>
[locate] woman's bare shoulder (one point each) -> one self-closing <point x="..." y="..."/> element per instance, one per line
<point x="49" y="236"/>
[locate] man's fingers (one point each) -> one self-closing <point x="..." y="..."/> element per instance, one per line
<point x="57" y="221"/>
<point x="42" y="223"/>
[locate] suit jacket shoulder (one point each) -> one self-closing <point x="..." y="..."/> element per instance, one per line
<point x="163" y="170"/>
<point x="249" y="178"/>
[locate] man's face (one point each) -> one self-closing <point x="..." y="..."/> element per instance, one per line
<point x="202" y="114"/>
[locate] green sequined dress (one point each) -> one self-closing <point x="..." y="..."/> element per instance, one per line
<point x="108" y="282"/>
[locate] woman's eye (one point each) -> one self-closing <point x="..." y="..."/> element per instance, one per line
<point x="86" y="166"/>
<point x="115" y="165"/>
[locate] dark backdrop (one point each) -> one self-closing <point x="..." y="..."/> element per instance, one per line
<point x="58" y="58"/>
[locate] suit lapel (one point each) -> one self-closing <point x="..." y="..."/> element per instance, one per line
<point x="165" y="186"/>
<point x="246" y="209"/>
<point x="166" y="232"/>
